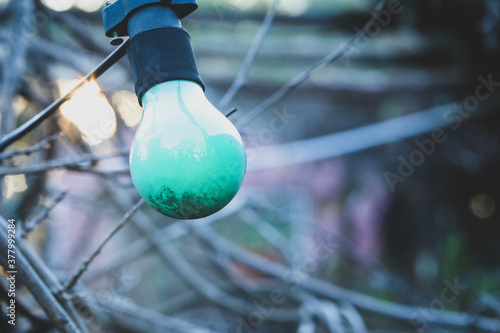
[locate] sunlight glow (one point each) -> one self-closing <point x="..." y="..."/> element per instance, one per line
<point x="90" y="112"/>
<point x="242" y="4"/>
<point x="89" y="5"/>
<point x="13" y="184"/>
<point x="59" y="5"/>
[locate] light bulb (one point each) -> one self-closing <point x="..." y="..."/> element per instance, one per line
<point x="187" y="159"/>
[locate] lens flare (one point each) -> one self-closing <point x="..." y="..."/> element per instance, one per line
<point x="90" y="112"/>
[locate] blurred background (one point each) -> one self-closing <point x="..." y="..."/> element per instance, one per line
<point x="361" y="211"/>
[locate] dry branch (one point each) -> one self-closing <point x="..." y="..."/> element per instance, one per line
<point x="85" y="265"/>
<point x="241" y="77"/>
<point x="40" y="291"/>
<point x="335" y="293"/>
<point x="13" y="68"/>
<point x="302" y="77"/>
<point x="68" y="163"/>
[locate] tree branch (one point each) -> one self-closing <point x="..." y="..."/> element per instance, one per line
<point x="34" y="122"/>
<point x="299" y="79"/>
<point x="36" y="285"/>
<point x="241" y="78"/>
<point x="31" y="224"/>
<point x="33" y="149"/>
<point x="72" y="282"/>
<point x="69" y="163"/>
<point x="332" y="292"/>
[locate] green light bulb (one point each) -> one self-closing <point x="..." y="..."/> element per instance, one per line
<point x="187" y="160"/>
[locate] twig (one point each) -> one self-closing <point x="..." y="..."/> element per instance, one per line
<point x="332" y="292"/>
<point x="353" y="140"/>
<point x="51" y="109"/>
<point x="50" y="280"/>
<point x="275" y="238"/>
<point x="31" y="224"/>
<point x="353" y="317"/>
<point x="299" y="79"/>
<point x="241" y="78"/>
<point x="86" y="36"/>
<point x="81" y="31"/>
<point x="61" y="163"/>
<point x="36" y="285"/>
<point x="210" y="291"/>
<point x="230" y="113"/>
<point x="130" y="315"/>
<point x="214" y="294"/>
<point x="13" y="68"/>
<point x="83" y="268"/>
<point x="40" y="321"/>
<point x="28" y="151"/>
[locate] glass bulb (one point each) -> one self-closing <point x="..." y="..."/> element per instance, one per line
<point x="187" y="160"/>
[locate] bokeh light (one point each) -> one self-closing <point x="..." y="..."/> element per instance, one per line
<point x="482" y="206"/>
<point x="127" y="106"/>
<point x="89" y="5"/>
<point x="13" y="184"/>
<point x="89" y="111"/>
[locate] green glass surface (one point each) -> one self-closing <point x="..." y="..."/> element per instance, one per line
<point x="187" y="160"/>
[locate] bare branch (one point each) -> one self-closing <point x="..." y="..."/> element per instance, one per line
<point x="353" y="140"/>
<point x="168" y="233"/>
<point x="336" y="293"/>
<point x="33" y="149"/>
<point x="34" y="122"/>
<point x="140" y="319"/>
<point x="13" y="67"/>
<point x="230" y="113"/>
<point x="241" y="78"/>
<point x="31" y="224"/>
<point x="69" y="163"/>
<point x="299" y="79"/>
<point x="72" y="282"/>
<point x="40" y="291"/>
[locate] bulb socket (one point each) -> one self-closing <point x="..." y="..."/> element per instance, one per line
<point x="160" y="55"/>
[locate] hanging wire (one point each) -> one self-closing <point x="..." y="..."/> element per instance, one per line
<point x="31" y="124"/>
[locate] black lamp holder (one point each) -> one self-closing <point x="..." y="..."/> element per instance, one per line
<point x="159" y="49"/>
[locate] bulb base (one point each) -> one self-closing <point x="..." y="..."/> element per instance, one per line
<point x="161" y="55"/>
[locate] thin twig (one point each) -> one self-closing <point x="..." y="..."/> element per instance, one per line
<point x="168" y="233"/>
<point x="40" y="321"/>
<point x="34" y="122"/>
<point x="33" y="149"/>
<point x="83" y="268"/>
<point x="231" y="112"/>
<point x="31" y="224"/>
<point x="336" y="293"/>
<point x="211" y="292"/>
<point x="268" y="232"/>
<point x="302" y="77"/>
<point x="241" y="78"/>
<point x="13" y="68"/>
<point x="188" y="273"/>
<point x="69" y="163"/>
<point x="357" y="139"/>
<point x="40" y="291"/>
<point x="50" y="280"/>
